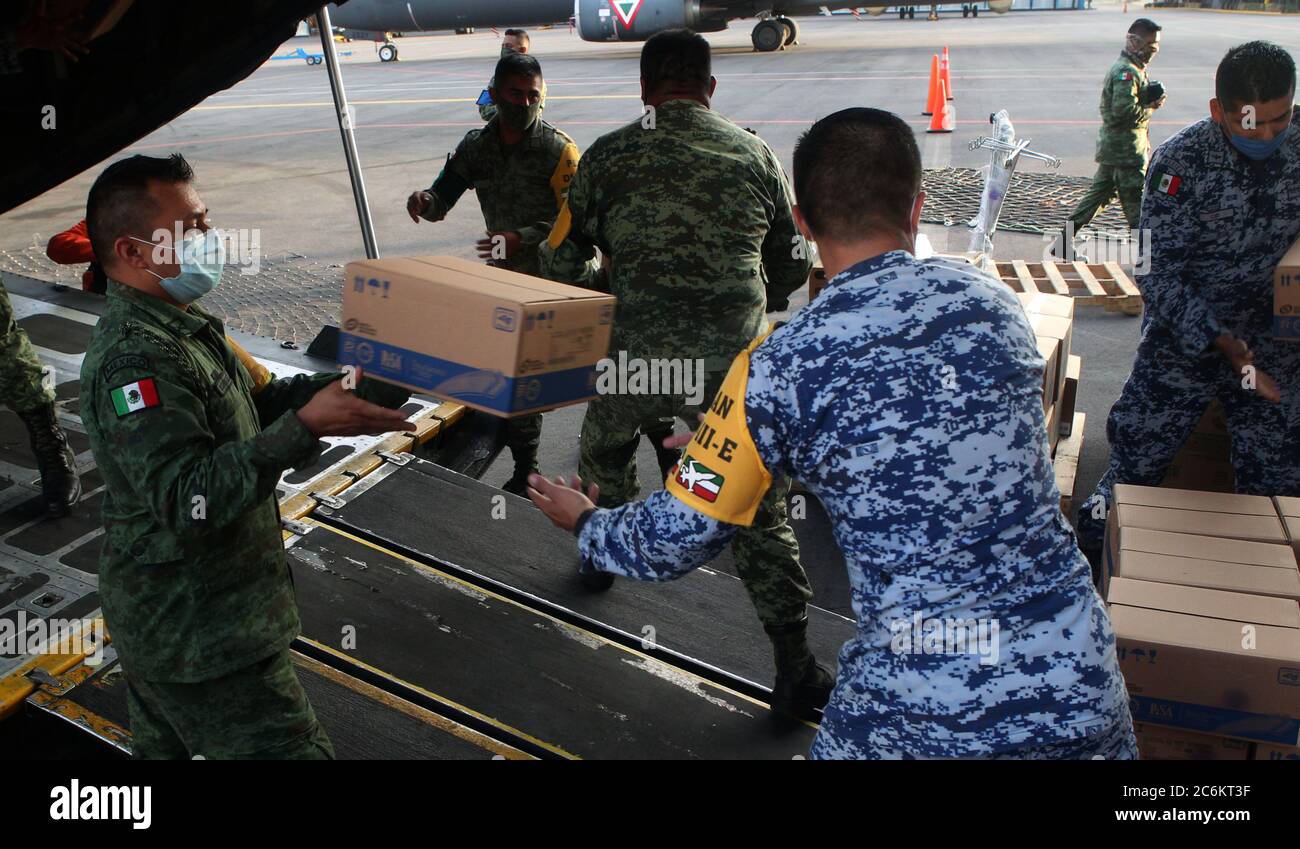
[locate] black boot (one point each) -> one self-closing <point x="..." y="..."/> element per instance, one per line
<point x="803" y="686"/>
<point x="525" y="465"/>
<point x="58" y="466"/>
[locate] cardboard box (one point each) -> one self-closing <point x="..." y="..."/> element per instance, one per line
<point x="1270" y="752"/>
<point x="1060" y="329"/>
<point x="1286" y="295"/>
<point x="1213" y="574"/>
<point x="1204" y="462"/>
<point x="1053" y="421"/>
<point x="816" y="281"/>
<point x="1212" y="502"/>
<point x="1289" y="510"/>
<point x="1050" y="350"/>
<point x="1158" y="743"/>
<point x="1070" y="393"/>
<point x="495" y="340"/>
<point x="1209" y="661"/>
<point x="1041" y="303"/>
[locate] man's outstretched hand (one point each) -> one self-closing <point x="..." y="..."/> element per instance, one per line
<point x="335" y="411"/>
<point x="1242" y="360"/>
<point x="562" y="503"/>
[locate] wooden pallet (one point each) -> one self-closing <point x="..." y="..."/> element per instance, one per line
<point x="1066" y="463"/>
<point x="1099" y="284"/>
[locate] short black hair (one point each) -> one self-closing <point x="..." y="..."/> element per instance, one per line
<point x="517" y="65"/>
<point x="520" y="34"/>
<point x="120" y="204"/>
<point x="1144" y="26"/>
<point x="1254" y="72"/>
<point x="676" y="60"/>
<point x="857" y="171"/>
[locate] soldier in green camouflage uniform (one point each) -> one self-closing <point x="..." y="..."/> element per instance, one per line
<point x="196" y="592"/>
<point x="513" y="41"/>
<point x="25" y="386"/>
<point x="521" y="167"/>
<point x="1123" y="146"/>
<point x="694" y="216"/>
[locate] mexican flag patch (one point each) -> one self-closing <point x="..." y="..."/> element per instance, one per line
<point x="1168" y="184"/>
<point x="134" y="397"/>
<point x="698" y="479"/>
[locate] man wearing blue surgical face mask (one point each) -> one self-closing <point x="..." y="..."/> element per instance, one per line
<point x="1222" y="205"/>
<point x="192" y="575"/>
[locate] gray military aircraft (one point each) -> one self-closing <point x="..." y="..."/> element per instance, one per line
<point x="605" y="20"/>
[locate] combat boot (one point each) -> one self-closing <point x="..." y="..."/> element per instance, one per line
<point x="803" y="686"/>
<point x="525" y="465"/>
<point x="58" y="465"/>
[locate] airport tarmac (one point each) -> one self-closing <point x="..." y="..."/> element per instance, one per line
<point x="268" y="156"/>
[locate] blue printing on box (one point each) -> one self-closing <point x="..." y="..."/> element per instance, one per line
<point x="1286" y="327"/>
<point x="1212" y="720"/>
<point x="490" y="389"/>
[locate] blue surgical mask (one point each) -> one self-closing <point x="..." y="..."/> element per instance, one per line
<point x="201" y="257"/>
<point x="1259" y="149"/>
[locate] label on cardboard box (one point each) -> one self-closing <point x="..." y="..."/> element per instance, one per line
<point x="489" y="338"/>
<point x="1286" y="295"/>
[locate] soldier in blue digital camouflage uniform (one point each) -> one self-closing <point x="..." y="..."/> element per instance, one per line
<point x="1223" y="206"/>
<point x="908" y="398"/>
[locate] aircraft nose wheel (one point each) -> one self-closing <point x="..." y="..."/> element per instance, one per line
<point x="791" y="31"/>
<point x="388" y="53"/>
<point x="768" y="35"/>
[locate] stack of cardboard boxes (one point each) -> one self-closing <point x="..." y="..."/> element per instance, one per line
<point x="1203" y="592"/>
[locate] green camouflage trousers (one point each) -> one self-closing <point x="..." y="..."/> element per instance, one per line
<point x="766" y="553"/>
<point x="21" y="371"/>
<point x="260" y="712"/>
<point x="1109" y="181"/>
<point x="523" y="437"/>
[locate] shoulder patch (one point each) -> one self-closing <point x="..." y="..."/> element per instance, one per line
<point x="122" y="361"/>
<point x="1166" y="183"/>
<point x="134" y="397"/>
<point x="565" y="168"/>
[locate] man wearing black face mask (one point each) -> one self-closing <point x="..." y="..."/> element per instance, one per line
<point x="1127" y="101"/>
<point x="1222" y="204"/>
<point x="513" y="41"/>
<point x="521" y="167"/>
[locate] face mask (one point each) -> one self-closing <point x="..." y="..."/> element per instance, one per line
<point x="201" y="258"/>
<point x="506" y="51"/>
<point x="516" y="117"/>
<point x="1259" y="149"/>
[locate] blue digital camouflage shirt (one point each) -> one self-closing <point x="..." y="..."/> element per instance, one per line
<point x="908" y="398"/>
<point x="1219" y="223"/>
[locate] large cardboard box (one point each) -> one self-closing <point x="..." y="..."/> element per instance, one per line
<point x="1244" y="517"/>
<point x="1213" y="574"/>
<point x="1160" y="743"/>
<point x="1204" y="462"/>
<point x="1209" y="661"/>
<point x="1289" y="510"/>
<point x="495" y="340"/>
<point x="1286" y="296"/>
<point x="1125" y="545"/>
<point x="1050" y="350"/>
<point x="1060" y="329"/>
<point x="1070" y="393"/>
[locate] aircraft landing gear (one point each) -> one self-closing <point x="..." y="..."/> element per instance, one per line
<point x="388" y="52"/>
<point x="791" y="30"/>
<point x="769" y="34"/>
<point x="934" y="14"/>
<point x="906" y="12"/>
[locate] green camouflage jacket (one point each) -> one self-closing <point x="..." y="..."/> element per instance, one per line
<point x="192" y="574"/>
<point x="694" y="217"/>
<point x="520" y="189"/>
<point x="1123" y="139"/>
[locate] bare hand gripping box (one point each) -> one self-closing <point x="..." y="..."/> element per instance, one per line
<point x="502" y="342"/>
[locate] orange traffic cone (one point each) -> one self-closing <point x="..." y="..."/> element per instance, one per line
<point x="945" y="72"/>
<point x="944" y="115"/>
<point x="931" y="97"/>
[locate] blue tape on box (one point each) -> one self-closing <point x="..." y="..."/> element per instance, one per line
<point x="1286" y="327"/>
<point x="1211" y="720"/>
<point x="450" y="379"/>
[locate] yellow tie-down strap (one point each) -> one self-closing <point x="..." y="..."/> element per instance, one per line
<point x="71" y="649"/>
<point x="428" y="424"/>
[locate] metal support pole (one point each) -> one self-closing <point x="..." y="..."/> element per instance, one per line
<point x="345" y="129"/>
